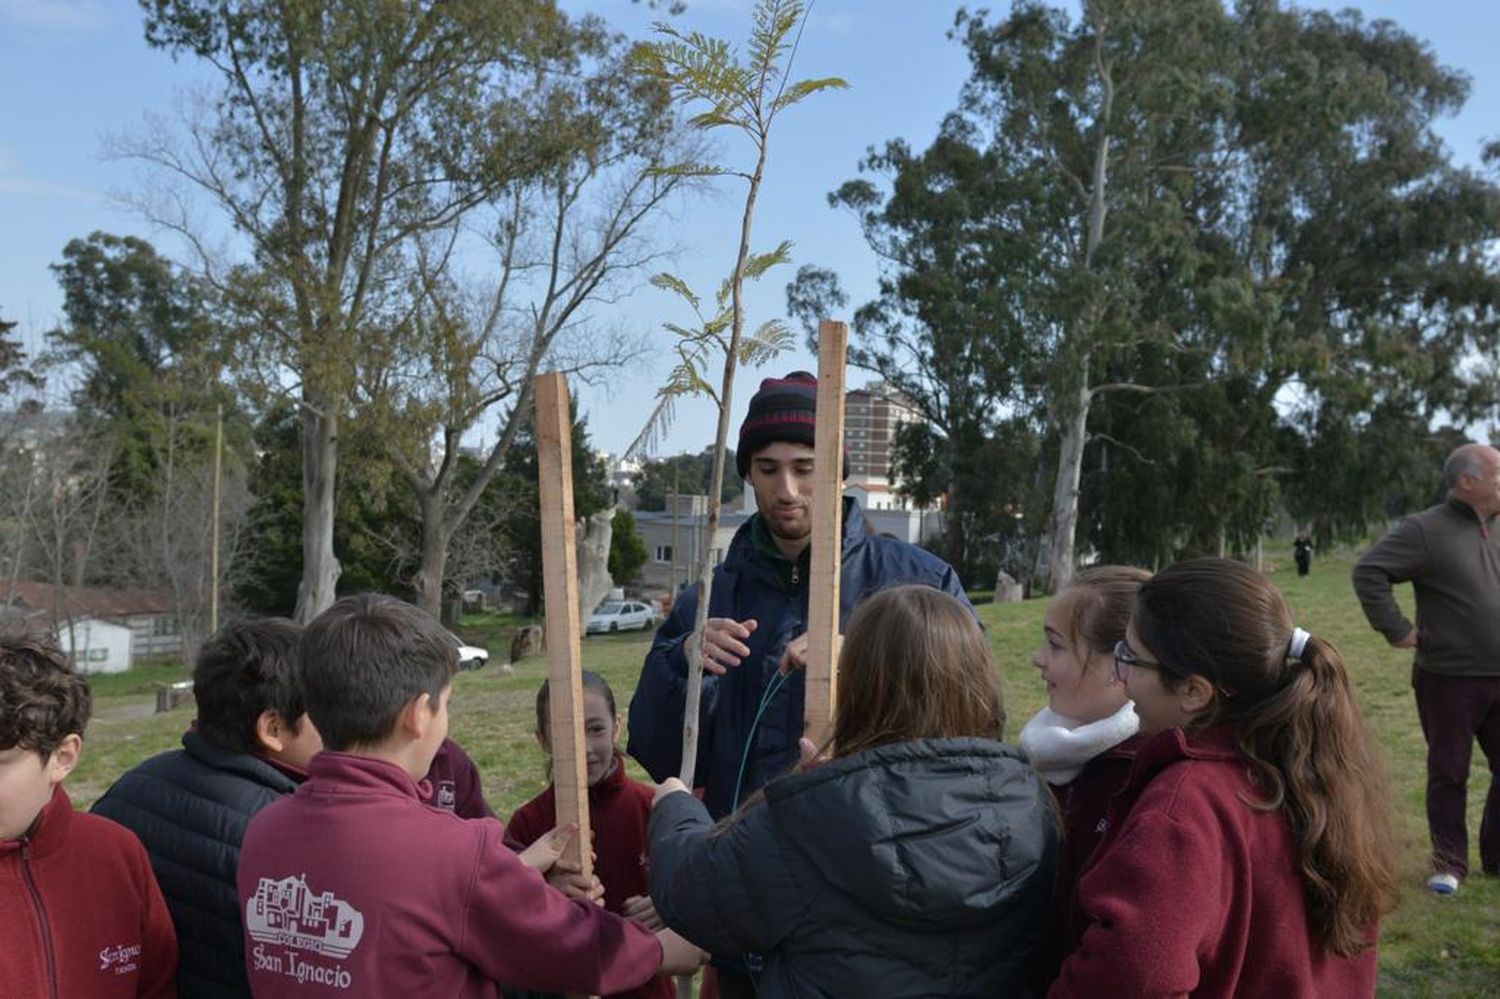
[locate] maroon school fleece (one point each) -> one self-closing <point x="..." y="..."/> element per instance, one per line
<point x="619" y="811"/>
<point x="352" y="886"/>
<point x="1084" y="802"/>
<point x="452" y="784"/>
<point x="81" y="916"/>
<point x="1194" y="891"/>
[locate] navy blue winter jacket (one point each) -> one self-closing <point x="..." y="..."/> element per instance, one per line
<point x="190" y="808"/>
<point x="749" y="584"/>
<point x="912" y="869"/>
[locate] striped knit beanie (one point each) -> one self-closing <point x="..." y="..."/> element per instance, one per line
<point x="785" y="409"/>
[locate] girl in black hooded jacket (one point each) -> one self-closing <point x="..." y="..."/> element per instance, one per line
<point x="917" y="861"/>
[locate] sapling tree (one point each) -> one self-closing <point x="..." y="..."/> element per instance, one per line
<point x="744" y="96"/>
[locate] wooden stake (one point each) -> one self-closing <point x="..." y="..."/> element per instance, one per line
<point x="554" y="446"/>
<point x="827" y="534"/>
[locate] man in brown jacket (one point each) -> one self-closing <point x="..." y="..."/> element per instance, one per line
<point x="1451" y="556"/>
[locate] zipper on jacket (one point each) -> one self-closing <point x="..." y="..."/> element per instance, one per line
<point x="796" y="574"/>
<point x="41" y="916"/>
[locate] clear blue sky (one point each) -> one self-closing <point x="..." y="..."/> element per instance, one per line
<point x="73" y="71"/>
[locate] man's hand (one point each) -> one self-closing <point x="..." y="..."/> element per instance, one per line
<point x="795" y="655"/>
<point x="1407" y="642"/>
<point x="678" y="957"/>
<point x="545" y="852"/>
<point x="669" y="786"/>
<point x="723" y="643"/>
<point x="639" y="908"/>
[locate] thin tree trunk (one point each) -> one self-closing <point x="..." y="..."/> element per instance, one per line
<point x="320" y="567"/>
<point x="1065" y="494"/>
<point x="213" y="540"/>
<point x="434" y="558"/>
<point x="953" y="530"/>
<point x="716" y="477"/>
<point x="1073" y="414"/>
<point x="23" y="523"/>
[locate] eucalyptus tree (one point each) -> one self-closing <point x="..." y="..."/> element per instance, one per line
<point x="1197" y="237"/>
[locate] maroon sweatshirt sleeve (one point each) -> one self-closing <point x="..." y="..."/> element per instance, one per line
<point x="158" y="937"/>
<point x="519" y="930"/>
<point x="1152" y="901"/>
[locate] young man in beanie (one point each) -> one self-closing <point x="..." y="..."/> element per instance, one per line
<point x="750" y="714"/>
<point x="757" y="619"/>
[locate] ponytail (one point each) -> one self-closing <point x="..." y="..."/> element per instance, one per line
<point x="1314" y="756"/>
<point x="1286" y="696"/>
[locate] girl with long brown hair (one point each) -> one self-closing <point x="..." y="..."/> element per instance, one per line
<point x="917" y="860"/>
<point x="1250" y="853"/>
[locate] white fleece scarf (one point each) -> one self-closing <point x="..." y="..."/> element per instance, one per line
<point x="1059" y="747"/>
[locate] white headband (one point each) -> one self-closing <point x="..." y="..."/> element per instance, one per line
<point x="1298" y="645"/>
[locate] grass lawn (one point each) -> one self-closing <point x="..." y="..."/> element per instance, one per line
<point x="1429" y="947"/>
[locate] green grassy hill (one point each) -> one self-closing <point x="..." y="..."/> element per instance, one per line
<point x="1429" y="947"/>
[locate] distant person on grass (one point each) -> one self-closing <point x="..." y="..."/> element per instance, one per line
<point x="1450" y="553"/>
<point x="81" y="916"/>
<point x="1302" y="549"/>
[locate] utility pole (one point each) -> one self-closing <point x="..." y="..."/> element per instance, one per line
<point x="213" y="554"/>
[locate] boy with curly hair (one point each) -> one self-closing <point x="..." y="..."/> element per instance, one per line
<point x="83" y="916"/>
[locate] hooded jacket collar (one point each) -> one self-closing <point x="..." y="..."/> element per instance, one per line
<point x="277" y="776"/>
<point x="354" y="773"/>
<point x="1160" y="751"/>
<point x="611" y="783"/>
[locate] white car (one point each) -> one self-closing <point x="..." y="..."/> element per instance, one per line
<point x="621" y="615"/>
<point x="469" y="656"/>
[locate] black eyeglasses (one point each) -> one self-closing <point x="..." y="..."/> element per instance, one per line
<point x="1126" y="660"/>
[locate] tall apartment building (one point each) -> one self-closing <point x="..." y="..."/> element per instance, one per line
<point x="871" y="416"/>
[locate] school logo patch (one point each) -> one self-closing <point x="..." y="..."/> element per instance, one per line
<point x="122" y="959"/>
<point x="296" y="931"/>
<point x="287" y="911"/>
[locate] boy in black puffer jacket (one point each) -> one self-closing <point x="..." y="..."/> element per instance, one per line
<point x="190" y="806"/>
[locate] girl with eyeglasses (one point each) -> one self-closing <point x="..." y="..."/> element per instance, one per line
<point x="1250" y="852"/>
<point x="1083" y="741"/>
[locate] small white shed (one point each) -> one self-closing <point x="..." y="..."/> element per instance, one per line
<point x="102" y="646"/>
